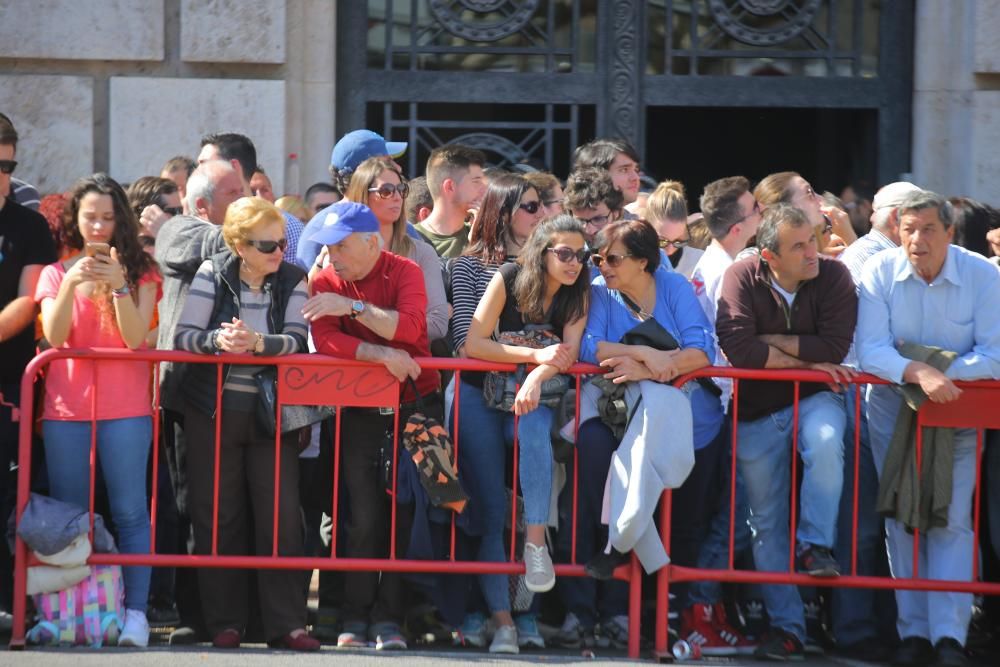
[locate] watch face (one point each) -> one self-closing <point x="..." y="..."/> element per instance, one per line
<point x="357" y="307"/>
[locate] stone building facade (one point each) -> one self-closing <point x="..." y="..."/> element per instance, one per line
<point x="122" y="85"/>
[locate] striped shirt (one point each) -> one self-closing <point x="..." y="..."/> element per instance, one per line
<point x="859" y="252"/>
<point x="469" y="279"/>
<point x="24" y="193"/>
<point x="195" y="332"/>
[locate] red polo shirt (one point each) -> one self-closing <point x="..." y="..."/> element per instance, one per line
<point x="395" y="283"/>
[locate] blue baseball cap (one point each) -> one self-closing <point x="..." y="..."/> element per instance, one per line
<point x="357" y="146"/>
<point x="343" y="219"/>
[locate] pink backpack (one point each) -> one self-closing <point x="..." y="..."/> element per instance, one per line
<point x="91" y="613"/>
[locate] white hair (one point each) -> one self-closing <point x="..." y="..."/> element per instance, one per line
<point x="202" y="182"/>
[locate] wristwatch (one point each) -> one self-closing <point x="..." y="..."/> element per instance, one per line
<point x="357" y="307"/>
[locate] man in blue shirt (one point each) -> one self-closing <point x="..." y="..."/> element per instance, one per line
<point x="931" y="293"/>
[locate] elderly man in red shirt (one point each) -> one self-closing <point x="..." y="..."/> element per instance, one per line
<point x="370" y="304"/>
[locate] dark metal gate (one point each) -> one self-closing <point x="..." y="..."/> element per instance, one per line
<point x="531" y="79"/>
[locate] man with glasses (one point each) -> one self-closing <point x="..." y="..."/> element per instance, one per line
<point x="26" y="247"/>
<point x="591" y="197"/>
<point x="789" y="308"/>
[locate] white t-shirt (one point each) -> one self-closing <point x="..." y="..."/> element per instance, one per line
<point x="707" y="282"/>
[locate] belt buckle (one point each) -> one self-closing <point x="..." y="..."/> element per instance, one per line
<point x="385" y="412"/>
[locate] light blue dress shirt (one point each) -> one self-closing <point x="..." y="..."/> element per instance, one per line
<point x="958" y="311"/>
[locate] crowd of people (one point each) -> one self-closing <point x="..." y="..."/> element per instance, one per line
<point x="472" y="261"/>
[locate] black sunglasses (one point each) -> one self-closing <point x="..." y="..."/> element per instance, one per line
<point x="679" y="243"/>
<point x="566" y="255"/>
<point x="173" y="210"/>
<point x="387" y="190"/>
<point x="8" y="166"/>
<point x="613" y="260"/>
<point x="268" y="247"/>
<point x="531" y="207"/>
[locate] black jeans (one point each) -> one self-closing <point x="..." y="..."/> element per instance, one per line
<point x="370" y="598"/>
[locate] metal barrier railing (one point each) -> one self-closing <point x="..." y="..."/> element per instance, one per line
<point x="302" y="380"/>
<point x="975" y="409"/>
<point x="321" y="380"/>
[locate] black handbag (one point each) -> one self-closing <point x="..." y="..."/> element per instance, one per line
<point x="293" y="417"/>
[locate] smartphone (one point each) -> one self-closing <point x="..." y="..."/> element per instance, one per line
<point x="95" y="249"/>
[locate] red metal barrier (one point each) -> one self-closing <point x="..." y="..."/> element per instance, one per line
<point x="320" y="380"/>
<point x="975" y="409"/>
<point x="302" y="380"/>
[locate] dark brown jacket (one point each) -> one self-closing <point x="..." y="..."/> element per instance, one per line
<point x="823" y="316"/>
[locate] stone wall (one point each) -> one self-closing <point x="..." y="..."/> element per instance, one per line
<point x="123" y="85"/>
<point x="956" y="99"/>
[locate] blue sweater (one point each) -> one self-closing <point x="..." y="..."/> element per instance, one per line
<point x="678" y="311"/>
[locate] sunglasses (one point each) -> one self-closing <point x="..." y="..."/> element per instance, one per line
<point x="387" y="190"/>
<point x="8" y="166"/>
<point x="678" y="244"/>
<point x="173" y="210"/>
<point x="827" y="224"/>
<point x="268" y="247"/>
<point x="530" y="207"/>
<point x="612" y="260"/>
<point x="567" y="255"/>
<point x="597" y="221"/>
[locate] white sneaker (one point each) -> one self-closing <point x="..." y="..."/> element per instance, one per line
<point x="505" y="640"/>
<point x="539" y="577"/>
<point x="136" y="631"/>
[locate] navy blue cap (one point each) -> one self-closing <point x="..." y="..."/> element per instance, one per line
<point x="343" y="219"/>
<point x="357" y="146"/>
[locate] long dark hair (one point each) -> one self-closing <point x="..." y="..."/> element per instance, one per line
<point x="490" y="232"/>
<point x="124" y="238"/>
<point x="570" y="301"/>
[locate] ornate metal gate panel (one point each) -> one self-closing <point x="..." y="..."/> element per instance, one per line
<point x="529" y="79"/>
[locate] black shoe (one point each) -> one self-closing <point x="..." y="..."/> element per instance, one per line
<point x="602" y="566"/>
<point x="817" y="562"/>
<point x="913" y="652"/>
<point x="185" y="635"/>
<point x="869" y="649"/>
<point x="780" y="645"/>
<point x="949" y="653"/>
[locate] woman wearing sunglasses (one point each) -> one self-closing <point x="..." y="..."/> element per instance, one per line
<point x="378" y="184"/>
<point x="548" y="285"/>
<point x="102" y="297"/>
<point x="629" y="292"/>
<point x="666" y="211"/>
<point x="509" y="212"/>
<point x="245" y="300"/>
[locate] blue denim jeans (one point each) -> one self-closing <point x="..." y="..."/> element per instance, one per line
<point x="764" y="448"/>
<point x="714" y="552"/>
<point x="854" y="609"/>
<point x="483" y="436"/>
<point x="123" y="452"/>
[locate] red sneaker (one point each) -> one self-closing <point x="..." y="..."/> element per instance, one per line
<point x="729" y="634"/>
<point x="697" y="629"/>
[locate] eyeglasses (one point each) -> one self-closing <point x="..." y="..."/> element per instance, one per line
<point x="387" y="190"/>
<point x="597" y="221"/>
<point x="754" y="211"/>
<point x="268" y="247"/>
<point x="612" y="260"/>
<point x="827" y="224"/>
<point x="173" y="210"/>
<point x="530" y="207"/>
<point x="566" y="255"/>
<point x="679" y="243"/>
<point x="8" y="166"/>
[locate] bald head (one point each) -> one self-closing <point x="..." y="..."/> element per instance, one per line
<point x="212" y="187"/>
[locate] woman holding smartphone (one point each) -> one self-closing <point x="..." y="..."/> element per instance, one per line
<point x="102" y="297"/>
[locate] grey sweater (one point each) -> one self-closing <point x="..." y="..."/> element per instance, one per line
<point x="182" y="245"/>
